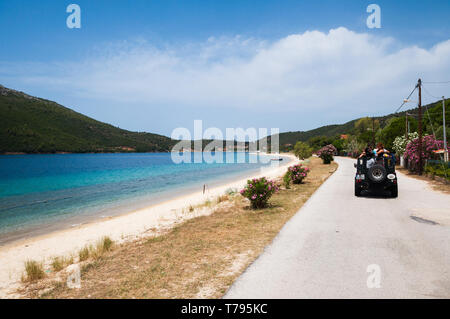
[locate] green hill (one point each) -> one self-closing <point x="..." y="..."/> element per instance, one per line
<point x="431" y="121"/>
<point x="33" y="125"/>
<point x="328" y="131"/>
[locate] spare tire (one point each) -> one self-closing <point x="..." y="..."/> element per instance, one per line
<point x="377" y="173"/>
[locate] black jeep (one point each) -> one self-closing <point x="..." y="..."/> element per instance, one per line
<point x="380" y="176"/>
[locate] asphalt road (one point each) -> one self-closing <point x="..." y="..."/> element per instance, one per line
<point x="341" y="246"/>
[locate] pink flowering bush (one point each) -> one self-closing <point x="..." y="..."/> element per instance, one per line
<point x="258" y="191"/>
<point x="429" y="144"/>
<point x="297" y="173"/>
<point x="326" y="153"/>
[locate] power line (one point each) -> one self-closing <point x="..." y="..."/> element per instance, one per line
<point x="426" y="91"/>
<point x="442" y="82"/>
<point x="431" y="124"/>
<point x="432" y="113"/>
<point x="406" y="100"/>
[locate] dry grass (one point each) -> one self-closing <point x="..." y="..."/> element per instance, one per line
<point x="83" y="254"/>
<point x="102" y="246"/>
<point x="199" y="258"/>
<point x="434" y="184"/>
<point x="222" y="198"/>
<point x="59" y="263"/>
<point x="33" y="271"/>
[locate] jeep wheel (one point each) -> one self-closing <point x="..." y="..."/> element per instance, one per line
<point x="394" y="192"/>
<point x="377" y="173"/>
<point x="357" y="190"/>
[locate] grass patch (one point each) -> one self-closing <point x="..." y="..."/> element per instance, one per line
<point x="102" y="246"/>
<point x="33" y="271"/>
<point x="105" y="244"/>
<point x="83" y="253"/>
<point x="199" y="258"/>
<point x="59" y="263"/>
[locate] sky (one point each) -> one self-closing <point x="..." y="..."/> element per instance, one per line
<point x="147" y="65"/>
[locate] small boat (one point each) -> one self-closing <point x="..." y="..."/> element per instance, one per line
<point x="276" y="159"/>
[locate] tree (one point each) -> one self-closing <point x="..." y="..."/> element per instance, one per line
<point x="440" y="133"/>
<point x="302" y="150"/>
<point x="318" y="142"/>
<point x="365" y="128"/>
<point x="365" y="124"/>
<point x="339" y="144"/>
<point x="353" y="147"/>
<point x="395" y="127"/>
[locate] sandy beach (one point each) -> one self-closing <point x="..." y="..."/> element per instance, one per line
<point x="129" y="226"/>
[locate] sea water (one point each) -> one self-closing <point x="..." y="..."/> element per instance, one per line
<point x="41" y="193"/>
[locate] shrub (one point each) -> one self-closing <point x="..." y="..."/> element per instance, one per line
<point x="258" y="191"/>
<point x="302" y="150"/>
<point x="327" y="158"/>
<point x="297" y="173"/>
<point x="438" y="168"/>
<point x="429" y="144"/>
<point x="400" y="142"/>
<point x="326" y="153"/>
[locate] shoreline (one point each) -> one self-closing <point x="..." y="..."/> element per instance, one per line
<point x="121" y="208"/>
<point x="132" y="225"/>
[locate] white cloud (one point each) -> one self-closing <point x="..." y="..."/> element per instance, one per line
<point x="338" y="71"/>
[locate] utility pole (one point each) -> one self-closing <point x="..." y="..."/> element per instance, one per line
<point x="445" y="133"/>
<point x="419" y="84"/>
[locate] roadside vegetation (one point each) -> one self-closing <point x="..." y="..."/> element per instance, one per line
<point x="199" y="258"/>
<point x="438" y="169"/>
<point x="258" y="191"/>
<point x="352" y="138"/>
<point x="34" y="270"/>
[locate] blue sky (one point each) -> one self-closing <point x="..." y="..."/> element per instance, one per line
<point x="156" y="65"/>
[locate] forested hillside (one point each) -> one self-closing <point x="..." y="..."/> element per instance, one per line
<point x="34" y="125"/>
<point x="360" y="132"/>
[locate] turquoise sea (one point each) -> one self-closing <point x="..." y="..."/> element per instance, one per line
<point x="42" y="193"/>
